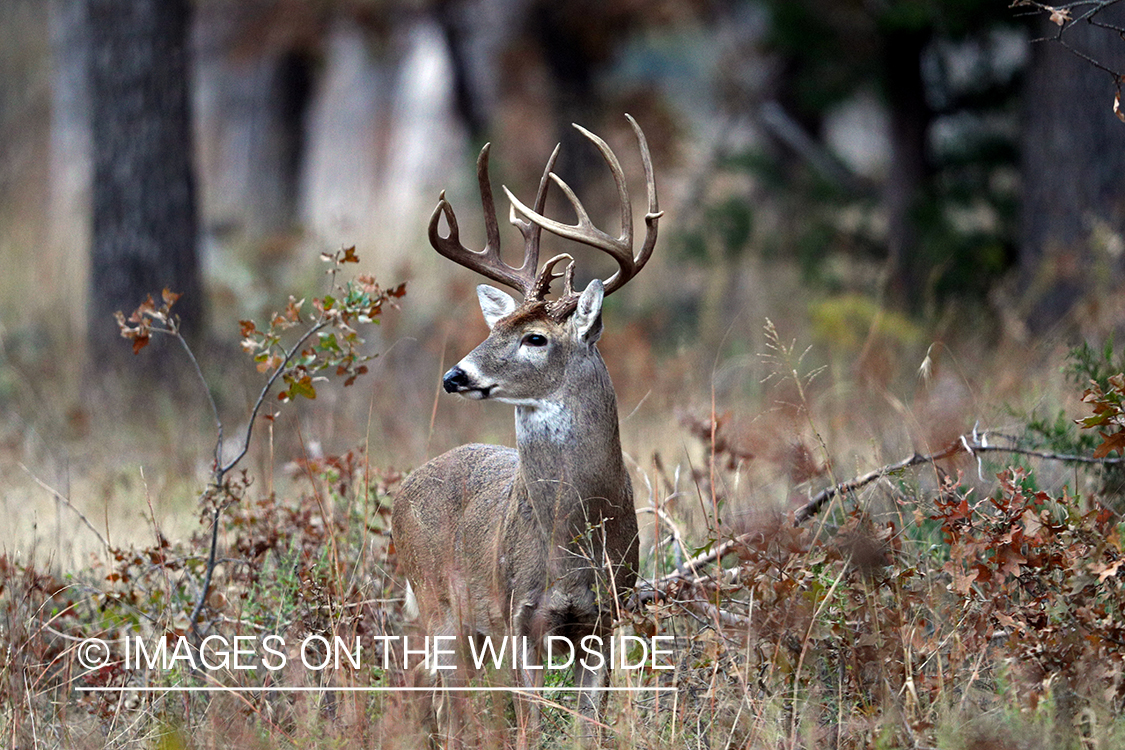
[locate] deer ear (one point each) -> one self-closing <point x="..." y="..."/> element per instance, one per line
<point x="587" y="316"/>
<point x="494" y="303"/>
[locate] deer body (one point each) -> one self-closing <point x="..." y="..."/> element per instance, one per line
<point x="517" y="540"/>
<point x="540" y="540"/>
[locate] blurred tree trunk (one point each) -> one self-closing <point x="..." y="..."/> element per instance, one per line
<point x="254" y="78"/>
<point x="266" y="111"/>
<point x="530" y="66"/>
<point x="143" y="234"/>
<point x="910" y="119"/>
<point x="1073" y="162"/>
<point x="574" y="45"/>
<point x="70" y="161"/>
<point x="291" y="90"/>
<point x="471" y="36"/>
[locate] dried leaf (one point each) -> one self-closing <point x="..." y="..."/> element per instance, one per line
<point x="293" y="309"/>
<point x="1012" y="560"/>
<point x="140" y="342"/>
<point x="1104" y="571"/>
<point x="1031" y="523"/>
<point x="270" y="363"/>
<point x="1110" y="443"/>
<point x="962" y="580"/>
<point x="1059" y="16"/>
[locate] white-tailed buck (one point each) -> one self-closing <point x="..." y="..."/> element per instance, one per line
<point x="540" y="540"/>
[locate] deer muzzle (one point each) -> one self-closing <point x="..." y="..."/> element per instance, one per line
<point x="461" y="382"/>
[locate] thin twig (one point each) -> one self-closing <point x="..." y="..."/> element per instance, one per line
<point x="221" y="470"/>
<point x="1085" y="11"/>
<point x="677" y="535"/>
<point x="59" y="497"/>
<point x="203" y="382"/>
<point x="198" y="609"/>
<point x="281" y="370"/>
<point x="717" y="614"/>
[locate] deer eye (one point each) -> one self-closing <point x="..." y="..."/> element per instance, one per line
<point x="534" y="339"/>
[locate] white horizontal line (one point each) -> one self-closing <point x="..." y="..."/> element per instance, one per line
<point x="404" y="689"/>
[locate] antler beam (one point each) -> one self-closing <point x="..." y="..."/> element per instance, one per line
<point x="487" y="261"/>
<point x="619" y="248"/>
<point x="530" y="222"/>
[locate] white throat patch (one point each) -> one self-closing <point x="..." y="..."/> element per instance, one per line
<point x="543" y="419"/>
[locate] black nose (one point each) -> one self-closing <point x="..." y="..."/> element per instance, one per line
<point x="455" y="380"/>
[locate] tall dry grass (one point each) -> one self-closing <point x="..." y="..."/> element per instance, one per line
<point x="857" y="629"/>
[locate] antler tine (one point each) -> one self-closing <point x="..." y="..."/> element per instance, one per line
<point x="619" y="248"/>
<point x="532" y="232"/>
<point x="487" y="261"/>
<point x="548" y="275"/>
<point x="654" y="213"/>
<point x="568" y="282"/>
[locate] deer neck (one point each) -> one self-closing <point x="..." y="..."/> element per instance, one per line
<point x="569" y="444"/>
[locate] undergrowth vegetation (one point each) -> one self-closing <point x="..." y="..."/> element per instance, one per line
<point x="948" y="601"/>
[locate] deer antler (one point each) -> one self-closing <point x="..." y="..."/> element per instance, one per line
<point x="584" y="231"/>
<point x="535" y="286"/>
<point x="487" y="261"/>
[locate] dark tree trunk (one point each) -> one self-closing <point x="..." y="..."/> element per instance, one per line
<point x="255" y="71"/>
<point x="143" y="236"/>
<point x="910" y="117"/>
<point x="457" y="20"/>
<point x="273" y="117"/>
<point x="1073" y="162"/>
<point x="492" y="54"/>
<point x="574" y="46"/>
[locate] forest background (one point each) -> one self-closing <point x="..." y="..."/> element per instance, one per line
<point x="888" y="225"/>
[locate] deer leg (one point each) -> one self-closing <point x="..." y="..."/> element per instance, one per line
<point x="445" y="672"/>
<point x="525" y="630"/>
<point x="528" y="717"/>
<point x="591" y="677"/>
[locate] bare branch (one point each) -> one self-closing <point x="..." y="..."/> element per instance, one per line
<point x="1067" y="15"/>
<point x="974" y="444"/>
